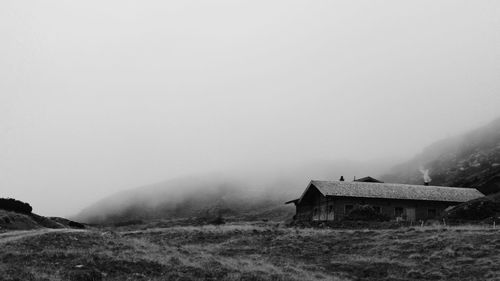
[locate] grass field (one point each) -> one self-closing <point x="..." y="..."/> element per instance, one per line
<point x="252" y="252"/>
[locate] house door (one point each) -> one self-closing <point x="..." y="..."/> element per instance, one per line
<point x="323" y="213"/>
<point x="410" y="214"/>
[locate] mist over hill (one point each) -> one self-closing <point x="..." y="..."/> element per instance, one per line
<point x="257" y="194"/>
<point x="468" y="160"/>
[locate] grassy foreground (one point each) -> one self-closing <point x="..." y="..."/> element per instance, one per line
<point x="254" y="252"/>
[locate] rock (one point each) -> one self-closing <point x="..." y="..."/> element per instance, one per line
<point x="84" y="274"/>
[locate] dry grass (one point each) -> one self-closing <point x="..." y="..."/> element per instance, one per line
<point x="256" y="252"/>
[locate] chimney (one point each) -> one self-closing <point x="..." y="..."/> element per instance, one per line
<point x="341" y="178"/>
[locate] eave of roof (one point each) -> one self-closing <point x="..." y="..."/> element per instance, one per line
<point x="292" y="201"/>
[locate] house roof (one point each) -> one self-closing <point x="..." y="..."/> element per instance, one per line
<point x="394" y="191"/>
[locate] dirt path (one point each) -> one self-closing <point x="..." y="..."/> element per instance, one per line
<point x="21" y="234"/>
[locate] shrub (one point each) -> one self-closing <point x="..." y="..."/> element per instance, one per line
<point x="75" y="224"/>
<point x="217" y="221"/>
<point x="365" y="213"/>
<point x="128" y="223"/>
<point x="14" y="205"/>
<point x="476" y="210"/>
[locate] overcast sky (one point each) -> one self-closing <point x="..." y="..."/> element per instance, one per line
<point x="101" y="96"/>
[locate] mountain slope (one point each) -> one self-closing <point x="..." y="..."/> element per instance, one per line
<point x="468" y="160"/>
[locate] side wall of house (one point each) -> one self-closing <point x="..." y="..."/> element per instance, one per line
<point x="394" y="209"/>
<point x="321" y="208"/>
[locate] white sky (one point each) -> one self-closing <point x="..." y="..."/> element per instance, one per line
<point x="100" y="96"/>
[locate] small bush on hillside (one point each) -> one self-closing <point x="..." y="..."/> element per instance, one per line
<point x="14" y="205"/>
<point x="75" y="224"/>
<point x="478" y="210"/>
<point x="217" y="221"/>
<point x="128" y="223"/>
<point x="365" y="213"/>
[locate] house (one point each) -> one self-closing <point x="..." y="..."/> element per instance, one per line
<point x="332" y="200"/>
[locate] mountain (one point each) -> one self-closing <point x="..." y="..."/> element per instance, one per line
<point x="247" y="195"/>
<point x="468" y="160"/>
<point x="180" y="198"/>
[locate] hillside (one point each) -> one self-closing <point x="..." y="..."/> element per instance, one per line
<point x="17" y="215"/>
<point x="17" y="221"/>
<point x="181" y="198"/>
<point x="468" y="160"/>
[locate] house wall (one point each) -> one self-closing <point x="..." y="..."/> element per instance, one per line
<point x="321" y="208"/>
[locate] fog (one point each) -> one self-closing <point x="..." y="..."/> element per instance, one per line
<point x="98" y="97"/>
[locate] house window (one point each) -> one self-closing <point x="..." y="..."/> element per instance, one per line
<point x="330" y="209"/>
<point x="398" y="212"/>
<point x="431" y="213"/>
<point x="315" y="213"/>
<point x="348" y="208"/>
<point x="376" y="209"/>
